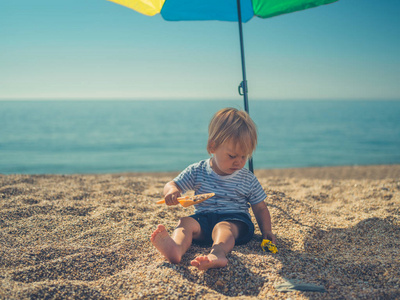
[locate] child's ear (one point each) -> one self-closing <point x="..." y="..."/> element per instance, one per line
<point x="211" y="147"/>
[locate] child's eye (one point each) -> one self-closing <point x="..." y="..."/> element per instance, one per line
<point x="231" y="156"/>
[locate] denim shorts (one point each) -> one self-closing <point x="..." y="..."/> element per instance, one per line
<point x="208" y="221"/>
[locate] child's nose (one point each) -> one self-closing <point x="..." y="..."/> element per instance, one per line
<point x="239" y="160"/>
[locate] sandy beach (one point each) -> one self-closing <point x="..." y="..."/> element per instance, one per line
<point x="87" y="237"/>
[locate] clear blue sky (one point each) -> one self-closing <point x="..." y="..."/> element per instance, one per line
<point x="98" y="49"/>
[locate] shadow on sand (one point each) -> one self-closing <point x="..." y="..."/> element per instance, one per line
<point x="363" y="259"/>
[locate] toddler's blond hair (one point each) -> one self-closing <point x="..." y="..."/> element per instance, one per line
<point x="230" y="124"/>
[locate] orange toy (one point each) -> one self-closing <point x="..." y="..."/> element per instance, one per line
<point x="190" y="200"/>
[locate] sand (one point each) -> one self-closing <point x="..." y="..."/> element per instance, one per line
<point x="87" y="237"/>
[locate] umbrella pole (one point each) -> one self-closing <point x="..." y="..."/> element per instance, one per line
<point x="243" y="84"/>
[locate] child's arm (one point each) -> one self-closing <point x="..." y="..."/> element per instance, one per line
<point x="263" y="218"/>
<point x="171" y="193"/>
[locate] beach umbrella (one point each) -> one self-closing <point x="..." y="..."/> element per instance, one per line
<point x="222" y="10"/>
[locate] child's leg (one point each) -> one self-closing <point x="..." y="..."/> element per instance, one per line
<point x="223" y="235"/>
<point x="173" y="247"/>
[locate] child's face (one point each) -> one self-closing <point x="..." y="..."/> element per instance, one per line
<point x="228" y="158"/>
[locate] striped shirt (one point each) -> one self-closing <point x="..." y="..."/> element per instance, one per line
<point x="233" y="193"/>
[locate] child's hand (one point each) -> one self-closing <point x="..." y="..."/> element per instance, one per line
<point x="171" y="199"/>
<point x="171" y="193"/>
<point x="270" y="236"/>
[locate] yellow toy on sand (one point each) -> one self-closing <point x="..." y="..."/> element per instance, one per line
<point x="190" y="200"/>
<point x="269" y="246"/>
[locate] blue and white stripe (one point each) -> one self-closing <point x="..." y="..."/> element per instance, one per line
<point x="233" y="193"/>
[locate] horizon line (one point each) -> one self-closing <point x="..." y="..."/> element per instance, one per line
<point x="193" y="99"/>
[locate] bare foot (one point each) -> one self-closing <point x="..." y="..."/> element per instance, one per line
<point x="209" y="261"/>
<point x="165" y="244"/>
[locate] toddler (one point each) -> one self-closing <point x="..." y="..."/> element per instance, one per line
<point x="223" y="220"/>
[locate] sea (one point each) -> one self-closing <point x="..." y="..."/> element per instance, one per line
<point x="118" y="136"/>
